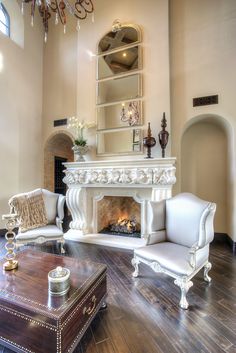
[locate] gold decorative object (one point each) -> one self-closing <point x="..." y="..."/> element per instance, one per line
<point x="11" y="222"/>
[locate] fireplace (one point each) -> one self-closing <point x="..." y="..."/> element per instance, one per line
<point x="119" y="215"/>
<point x="99" y="190"/>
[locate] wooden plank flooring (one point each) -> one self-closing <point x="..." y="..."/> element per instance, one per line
<point x="143" y="314"/>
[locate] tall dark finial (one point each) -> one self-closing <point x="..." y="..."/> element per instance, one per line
<point x="163" y="135"/>
<point x="149" y="141"/>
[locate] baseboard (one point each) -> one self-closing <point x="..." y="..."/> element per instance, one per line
<point x="225" y="238"/>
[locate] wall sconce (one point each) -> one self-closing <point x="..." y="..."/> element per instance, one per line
<point x="131" y="115"/>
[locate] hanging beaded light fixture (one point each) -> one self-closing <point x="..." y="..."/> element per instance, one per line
<point x="80" y="9"/>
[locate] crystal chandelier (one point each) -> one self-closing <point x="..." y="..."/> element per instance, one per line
<point x="131" y="115"/>
<point x="80" y="9"/>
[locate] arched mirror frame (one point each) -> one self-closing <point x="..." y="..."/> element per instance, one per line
<point x="136" y="147"/>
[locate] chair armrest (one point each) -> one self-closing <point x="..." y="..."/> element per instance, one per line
<point x="192" y="253"/>
<point x="206" y="228"/>
<point x="60" y="207"/>
<point x="156" y="237"/>
<point x="59" y="223"/>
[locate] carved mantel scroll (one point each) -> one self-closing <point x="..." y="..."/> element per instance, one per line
<point x="148" y="178"/>
<point x="120" y="175"/>
<point x="127" y="176"/>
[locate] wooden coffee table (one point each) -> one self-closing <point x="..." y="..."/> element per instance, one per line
<point x="33" y="321"/>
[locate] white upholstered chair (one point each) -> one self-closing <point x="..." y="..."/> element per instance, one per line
<point x="54" y="209"/>
<point x="181" y="229"/>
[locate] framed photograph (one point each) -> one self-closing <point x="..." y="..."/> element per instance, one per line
<point x="136" y="147"/>
<point x="136" y="136"/>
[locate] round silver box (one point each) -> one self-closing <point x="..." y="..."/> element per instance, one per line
<point x="59" y="281"/>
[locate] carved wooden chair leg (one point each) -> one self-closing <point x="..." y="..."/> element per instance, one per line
<point x="184" y="285"/>
<point x="18" y="246"/>
<point x="135" y="263"/>
<point x="62" y="242"/>
<point x="207" y="268"/>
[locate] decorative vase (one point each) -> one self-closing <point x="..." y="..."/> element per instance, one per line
<point x="79" y="152"/>
<point x="163" y="135"/>
<point x="149" y="142"/>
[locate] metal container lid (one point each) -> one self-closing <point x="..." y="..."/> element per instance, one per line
<point x="59" y="274"/>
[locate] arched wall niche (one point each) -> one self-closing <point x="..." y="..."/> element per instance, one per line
<point x="58" y="144"/>
<point x="206" y="169"/>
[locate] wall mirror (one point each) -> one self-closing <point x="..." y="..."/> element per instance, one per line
<point x="119" y="36"/>
<point x="119" y="62"/>
<point x="119" y="89"/>
<point x="109" y="143"/>
<point x="119" y="115"/>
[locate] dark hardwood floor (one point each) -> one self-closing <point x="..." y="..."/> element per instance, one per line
<point x="143" y="314"/>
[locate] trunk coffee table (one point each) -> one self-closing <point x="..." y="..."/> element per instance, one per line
<point x="32" y="320"/>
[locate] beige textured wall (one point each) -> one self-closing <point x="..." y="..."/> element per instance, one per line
<point x="202" y="61"/>
<point x="70" y="67"/>
<point x="59" y="76"/>
<point x="20" y="114"/>
<point x="204" y="166"/>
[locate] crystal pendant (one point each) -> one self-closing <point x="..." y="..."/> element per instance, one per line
<point x="56" y="19"/>
<point x="64" y="29"/>
<point x="78" y="26"/>
<point x="32" y="21"/>
<point x="22" y="8"/>
<point x="45" y="37"/>
<point x="93" y="17"/>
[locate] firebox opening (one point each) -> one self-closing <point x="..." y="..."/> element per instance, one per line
<point x="119" y="215"/>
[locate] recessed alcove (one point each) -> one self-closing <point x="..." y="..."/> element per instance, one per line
<point x="204" y="165"/>
<point x="58" y="145"/>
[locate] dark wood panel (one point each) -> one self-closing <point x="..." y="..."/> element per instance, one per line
<point x="143" y="314"/>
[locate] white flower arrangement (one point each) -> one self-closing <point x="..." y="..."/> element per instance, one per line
<point x="78" y="127"/>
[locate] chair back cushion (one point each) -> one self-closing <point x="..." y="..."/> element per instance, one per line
<point x="184" y="216"/>
<point x="50" y="201"/>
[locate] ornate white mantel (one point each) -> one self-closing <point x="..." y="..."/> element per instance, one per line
<point x="89" y="182"/>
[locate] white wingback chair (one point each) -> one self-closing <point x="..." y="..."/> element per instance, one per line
<point x="54" y="208"/>
<point x="181" y="229"/>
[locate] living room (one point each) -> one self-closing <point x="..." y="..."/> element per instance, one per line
<point x="123" y="106"/>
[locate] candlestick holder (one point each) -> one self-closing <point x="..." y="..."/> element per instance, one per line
<point x="163" y="135"/>
<point x="149" y="142"/>
<point x="11" y="222"/>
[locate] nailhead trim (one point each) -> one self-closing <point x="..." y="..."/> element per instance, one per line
<point x="84" y="328"/>
<point x="28" y="318"/>
<point x="11" y="297"/>
<point x="59" y="327"/>
<point x="16" y="345"/>
<point x="82" y="302"/>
